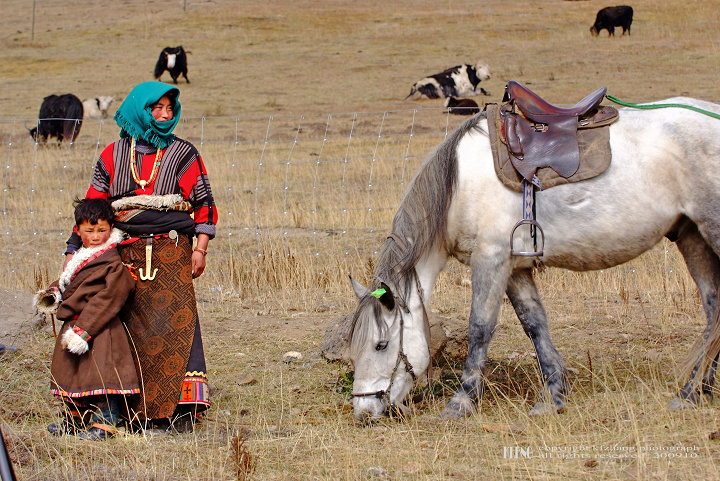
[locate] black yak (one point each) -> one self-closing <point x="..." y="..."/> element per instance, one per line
<point x="461" y="107"/>
<point x="60" y="116"/>
<point x="174" y="60"/>
<point x="610" y="17"/>
<point x="460" y="81"/>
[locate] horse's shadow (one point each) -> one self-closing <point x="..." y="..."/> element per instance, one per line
<point x="506" y="381"/>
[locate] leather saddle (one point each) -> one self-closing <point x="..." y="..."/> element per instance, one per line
<point x="538" y="134"/>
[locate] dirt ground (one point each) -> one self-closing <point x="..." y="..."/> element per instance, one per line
<point x="18" y="318"/>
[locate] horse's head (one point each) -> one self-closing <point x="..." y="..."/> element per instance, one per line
<point x="388" y="347"/>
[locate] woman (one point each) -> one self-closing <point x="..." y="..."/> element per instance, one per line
<point x="159" y="189"/>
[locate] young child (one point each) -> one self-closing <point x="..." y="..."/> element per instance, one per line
<point x="92" y="366"/>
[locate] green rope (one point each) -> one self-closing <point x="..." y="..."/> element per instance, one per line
<point x="661" y="106"/>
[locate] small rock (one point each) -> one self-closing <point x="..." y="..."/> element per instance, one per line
<point x="246" y="380"/>
<point x="653" y="355"/>
<point x="411" y="468"/>
<point x="377" y="472"/>
<point x="291" y="356"/>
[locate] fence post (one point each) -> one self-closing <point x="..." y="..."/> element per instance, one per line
<point x="32" y="34"/>
<point x="6" y="470"/>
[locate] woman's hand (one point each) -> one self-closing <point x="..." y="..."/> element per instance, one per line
<point x="198" y="256"/>
<point x="198" y="263"/>
<point x="67" y="259"/>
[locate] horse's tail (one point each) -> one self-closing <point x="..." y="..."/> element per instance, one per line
<point x="705" y="350"/>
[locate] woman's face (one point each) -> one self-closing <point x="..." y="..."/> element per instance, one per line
<point x="162" y="110"/>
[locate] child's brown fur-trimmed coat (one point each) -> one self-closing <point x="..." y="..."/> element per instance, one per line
<point x="91" y="299"/>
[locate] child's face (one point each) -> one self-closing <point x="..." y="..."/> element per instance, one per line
<point x="94" y="234"/>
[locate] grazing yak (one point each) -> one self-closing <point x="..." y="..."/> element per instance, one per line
<point x="610" y="17"/>
<point x="460" y="81"/>
<point x="174" y="60"/>
<point x="96" y="108"/>
<point x="461" y="107"/>
<point x="60" y="116"/>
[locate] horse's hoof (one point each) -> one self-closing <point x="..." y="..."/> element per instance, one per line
<point x="679" y="403"/>
<point x="543" y="408"/>
<point x="458" y="408"/>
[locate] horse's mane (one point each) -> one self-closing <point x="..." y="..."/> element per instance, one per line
<point x="420" y="223"/>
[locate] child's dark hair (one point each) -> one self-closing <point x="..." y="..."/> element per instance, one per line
<point x="93" y="210"/>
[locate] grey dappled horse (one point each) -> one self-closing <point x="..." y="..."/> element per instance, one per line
<point x="662" y="182"/>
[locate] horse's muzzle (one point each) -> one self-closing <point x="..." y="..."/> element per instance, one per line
<point x="368" y="411"/>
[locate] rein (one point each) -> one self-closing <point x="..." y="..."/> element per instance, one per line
<point x="662" y="106"/>
<point x="401" y="357"/>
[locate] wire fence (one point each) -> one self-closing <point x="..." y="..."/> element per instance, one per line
<point x="318" y="186"/>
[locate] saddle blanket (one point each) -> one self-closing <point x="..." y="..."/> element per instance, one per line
<point x="594" y="146"/>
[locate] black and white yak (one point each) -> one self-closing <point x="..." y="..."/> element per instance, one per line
<point x="460" y="81"/>
<point x="97" y="107"/>
<point x="610" y="17"/>
<point x="60" y="116"/>
<point x="174" y="60"/>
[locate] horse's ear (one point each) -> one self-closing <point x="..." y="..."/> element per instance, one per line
<point x="386" y="298"/>
<point x="360" y="290"/>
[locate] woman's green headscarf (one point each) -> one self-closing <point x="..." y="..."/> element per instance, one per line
<point x="135" y="114"/>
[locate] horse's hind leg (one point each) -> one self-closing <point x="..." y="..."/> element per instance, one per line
<point x="525" y="298"/>
<point x="489" y="280"/>
<point x="704" y="267"/>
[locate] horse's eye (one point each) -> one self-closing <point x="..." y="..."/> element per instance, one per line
<point x="381" y="346"/>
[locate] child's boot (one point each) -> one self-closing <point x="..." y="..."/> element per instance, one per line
<point x="70" y="423"/>
<point x="104" y="419"/>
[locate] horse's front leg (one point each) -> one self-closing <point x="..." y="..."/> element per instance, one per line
<point x="489" y="280"/>
<point x="525" y="298"/>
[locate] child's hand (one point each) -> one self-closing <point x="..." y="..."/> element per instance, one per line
<point x="73" y="342"/>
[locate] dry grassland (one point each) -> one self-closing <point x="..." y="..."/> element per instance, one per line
<point x="274" y="71"/>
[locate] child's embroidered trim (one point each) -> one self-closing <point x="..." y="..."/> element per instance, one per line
<point x="64" y="394"/>
<point x="82" y="333"/>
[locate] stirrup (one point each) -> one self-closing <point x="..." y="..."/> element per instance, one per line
<point x="537" y="252"/>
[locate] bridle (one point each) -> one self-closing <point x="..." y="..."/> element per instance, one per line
<point x="384" y="394"/>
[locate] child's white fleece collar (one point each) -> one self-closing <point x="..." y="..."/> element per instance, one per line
<point x="84" y="255"/>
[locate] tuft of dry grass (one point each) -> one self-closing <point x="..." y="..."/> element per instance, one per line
<point x="243" y="459"/>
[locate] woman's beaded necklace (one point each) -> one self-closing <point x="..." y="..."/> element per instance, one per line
<point x="133" y="166"/>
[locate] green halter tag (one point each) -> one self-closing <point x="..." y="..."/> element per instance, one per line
<point x="378" y="292"/>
